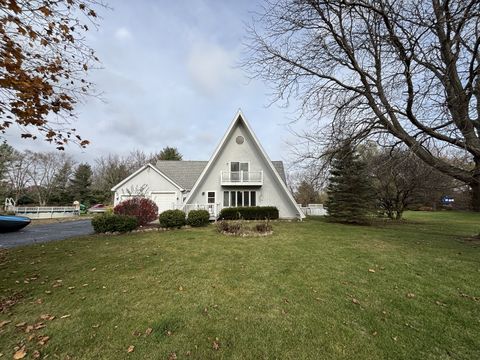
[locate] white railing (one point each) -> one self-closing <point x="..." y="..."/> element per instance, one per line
<point x="241" y="177"/>
<point x="47" y="211"/>
<point x="211" y="208"/>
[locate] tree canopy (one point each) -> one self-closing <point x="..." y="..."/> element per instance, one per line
<point x="399" y="71"/>
<point x="44" y="60"/>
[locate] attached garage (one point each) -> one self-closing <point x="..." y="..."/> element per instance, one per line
<point x="150" y="182"/>
<point x="164" y="200"/>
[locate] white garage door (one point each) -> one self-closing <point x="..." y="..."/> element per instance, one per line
<point x="164" y="201"/>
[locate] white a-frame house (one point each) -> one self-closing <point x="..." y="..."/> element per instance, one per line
<point x="239" y="173"/>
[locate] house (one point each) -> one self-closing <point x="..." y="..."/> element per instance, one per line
<point x="239" y="173"/>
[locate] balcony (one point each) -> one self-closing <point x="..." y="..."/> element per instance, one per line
<point x="241" y="178"/>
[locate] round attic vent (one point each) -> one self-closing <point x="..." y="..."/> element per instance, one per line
<point x="239" y="139"/>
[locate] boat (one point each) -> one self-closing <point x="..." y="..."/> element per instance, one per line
<point x="10" y="223"/>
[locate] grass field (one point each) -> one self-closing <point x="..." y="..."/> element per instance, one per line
<point x="312" y="290"/>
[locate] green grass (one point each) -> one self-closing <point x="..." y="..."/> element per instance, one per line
<point x="286" y="296"/>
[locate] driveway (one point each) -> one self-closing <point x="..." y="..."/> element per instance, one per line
<point x="44" y="233"/>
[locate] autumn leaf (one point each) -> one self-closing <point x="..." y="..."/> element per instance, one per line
<point x="20" y="354"/>
<point x="4" y="322"/>
<point x="36" y="354"/>
<point x="148" y="331"/>
<point x="371" y="270"/>
<point x="130" y="349"/>
<point x="172" y="356"/>
<point x="216" y="344"/>
<point x="410" y="295"/>
<point x="65" y="316"/>
<point x="43" y="340"/>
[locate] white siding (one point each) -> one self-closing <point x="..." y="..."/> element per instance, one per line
<point x="151" y="182"/>
<point x="270" y="194"/>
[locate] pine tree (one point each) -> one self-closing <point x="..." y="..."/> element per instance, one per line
<point x="350" y="190"/>
<point x="170" y="153"/>
<point x="81" y="182"/>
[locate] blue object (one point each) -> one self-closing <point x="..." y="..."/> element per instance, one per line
<point x="447" y="200"/>
<point x="10" y="223"/>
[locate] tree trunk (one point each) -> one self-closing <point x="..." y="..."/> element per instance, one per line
<point x="476" y="194"/>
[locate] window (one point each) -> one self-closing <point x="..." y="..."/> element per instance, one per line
<point x="238" y="168"/>
<point x="239" y="198"/>
<point x="211" y="197"/>
<point x="226" y="198"/>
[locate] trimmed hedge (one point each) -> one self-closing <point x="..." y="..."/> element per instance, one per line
<point x="198" y="218"/>
<point x="249" y="213"/>
<point x="113" y="223"/>
<point x="172" y="219"/>
<point x="145" y="210"/>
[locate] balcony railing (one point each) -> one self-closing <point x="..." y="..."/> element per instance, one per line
<point x="229" y="178"/>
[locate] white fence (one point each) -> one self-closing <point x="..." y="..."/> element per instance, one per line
<point x="42" y="212"/>
<point x="211" y="208"/>
<point x="314" y="210"/>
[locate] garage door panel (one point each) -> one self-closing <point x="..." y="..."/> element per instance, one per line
<point x="164" y="201"/>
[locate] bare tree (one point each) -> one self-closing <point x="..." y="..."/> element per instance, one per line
<point x="17" y="175"/>
<point x="402" y="71"/>
<point x="402" y="180"/>
<point x="43" y="171"/>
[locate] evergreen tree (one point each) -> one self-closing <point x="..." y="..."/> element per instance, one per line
<point x="350" y="190"/>
<point x="61" y="194"/>
<point x="170" y="153"/>
<point x="80" y="184"/>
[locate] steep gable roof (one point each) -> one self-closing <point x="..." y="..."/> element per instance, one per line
<point x="239" y="117"/>
<point x="173" y="182"/>
<point x="186" y="172"/>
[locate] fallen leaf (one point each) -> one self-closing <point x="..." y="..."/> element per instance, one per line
<point x="29" y="328"/>
<point x="355" y="301"/>
<point x="216" y="344"/>
<point x="39" y="301"/>
<point x="148" y="331"/>
<point x="96" y="326"/>
<point x="410" y="295"/>
<point x="65" y="316"/>
<point x="71" y="287"/>
<point x="36" y="354"/>
<point x="436" y="302"/>
<point x="47" y="317"/>
<point x="22" y="324"/>
<point x="39" y="326"/>
<point x="172" y="356"/>
<point x="395" y="338"/>
<point x="371" y="270"/>
<point x="43" y="340"/>
<point x="136" y="333"/>
<point x="93" y="269"/>
<point x="130" y="349"/>
<point x="374" y="333"/>
<point x="4" y="322"/>
<point x="180" y="288"/>
<point x="169" y="333"/>
<point x="20" y="354"/>
<point x="188" y="353"/>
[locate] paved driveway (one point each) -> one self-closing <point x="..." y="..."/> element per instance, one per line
<point x="43" y="233"/>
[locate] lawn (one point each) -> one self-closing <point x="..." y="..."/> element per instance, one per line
<point x="312" y="290"/>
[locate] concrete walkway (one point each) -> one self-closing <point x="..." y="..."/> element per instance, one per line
<point x="44" y="233"/>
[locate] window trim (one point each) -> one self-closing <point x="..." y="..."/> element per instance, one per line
<point x="214" y="197"/>
<point x="233" y="195"/>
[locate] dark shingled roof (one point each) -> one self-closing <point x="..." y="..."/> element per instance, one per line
<point x="186" y="172"/>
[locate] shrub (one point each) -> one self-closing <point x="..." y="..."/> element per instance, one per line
<point x="230" y="227"/>
<point x="113" y="223"/>
<point x="172" y="219"/>
<point x="263" y="227"/>
<point x="241" y="228"/>
<point x="145" y="210"/>
<point x="198" y="218"/>
<point x="249" y="213"/>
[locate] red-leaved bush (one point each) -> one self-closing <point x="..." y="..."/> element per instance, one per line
<point x="145" y="210"/>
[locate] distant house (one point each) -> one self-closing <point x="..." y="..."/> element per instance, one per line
<point x="239" y="173"/>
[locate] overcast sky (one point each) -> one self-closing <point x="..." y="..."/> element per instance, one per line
<point x="171" y="78"/>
